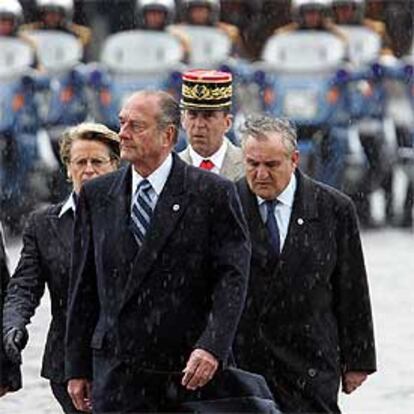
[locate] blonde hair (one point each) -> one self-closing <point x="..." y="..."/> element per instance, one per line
<point x="89" y="131"/>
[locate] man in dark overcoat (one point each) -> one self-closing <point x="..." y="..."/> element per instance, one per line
<point x="160" y="263"/>
<point x="307" y="322"/>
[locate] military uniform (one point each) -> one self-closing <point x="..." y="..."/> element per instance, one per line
<point x="83" y="33"/>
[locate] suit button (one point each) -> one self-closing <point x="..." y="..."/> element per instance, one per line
<point x="312" y="372"/>
<point x="115" y="273"/>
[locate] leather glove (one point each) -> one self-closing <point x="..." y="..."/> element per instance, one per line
<point x="14" y="340"/>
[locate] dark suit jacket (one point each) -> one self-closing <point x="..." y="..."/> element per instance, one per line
<point x="9" y="374"/>
<point x="184" y="288"/>
<point x="45" y="260"/>
<point x="308" y="314"/>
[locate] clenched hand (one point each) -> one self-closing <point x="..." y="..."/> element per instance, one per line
<point x="200" y="369"/>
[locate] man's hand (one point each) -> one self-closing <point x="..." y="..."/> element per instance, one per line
<point x="351" y="380"/>
<point x="3" y="391"/>
<point x="200" y="369"/>
<point x="14" y="340"/>
<point x="79" y="390"/>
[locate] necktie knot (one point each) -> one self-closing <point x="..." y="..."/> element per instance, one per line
<point x="144" y="186"/>
<point x="207" y="165"/>
<point x="271" y="205"/>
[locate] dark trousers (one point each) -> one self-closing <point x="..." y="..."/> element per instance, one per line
<point x="122" y="387"/>
<point x="61" y="394"/>
<point x="294" y="400"/>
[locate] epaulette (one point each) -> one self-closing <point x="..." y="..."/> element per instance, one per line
<point x="287" y="28"/>
<point x="31" y="26"/>
<point x="376" y="26"/>
<point x="232" y="31"/>
<point x="183" y="37"/>
<point x="27" y="39"/>
<point x="83" y="33"/>
<point x="335" y="30"/>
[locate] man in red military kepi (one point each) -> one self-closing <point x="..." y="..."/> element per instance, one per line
<point x="206" y="100"/>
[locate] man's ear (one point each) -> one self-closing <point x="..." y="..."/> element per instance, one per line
<point x="169" y="135"/>
<point x="229" y="122"/>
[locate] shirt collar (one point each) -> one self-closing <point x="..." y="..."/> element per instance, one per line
<point x="217" y="158"/>
<point x="157" y="178"/>
<point x="287" y="196"/>
<point x="68" y="205"/>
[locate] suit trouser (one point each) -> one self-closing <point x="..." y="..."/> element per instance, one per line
<point x="61" y="394"/>
<point x="122" y="387"/>
<point x="294" y="400"/>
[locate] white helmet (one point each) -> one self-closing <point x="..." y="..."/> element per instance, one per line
<point x="64" y="6"/>
<point x="359" y="8"/>
<point x="299" y="6"/>
<point x="213" y="4"/>
<point x="11" y="9"/>
<point x="165" y="5"/>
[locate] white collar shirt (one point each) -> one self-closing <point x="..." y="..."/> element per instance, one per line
<point x="69" y="205"/>
<point x="157" y="179"/>
<point x="283" y="209"/>
<point x="217" y="158"/>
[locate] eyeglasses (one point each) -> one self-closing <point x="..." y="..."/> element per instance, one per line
<point x="96" y="163"/>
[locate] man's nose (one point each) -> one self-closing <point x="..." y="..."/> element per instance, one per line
<point x="261" y="172"/>
<point x="123" y="131"/>
<point x="199" y="121"/>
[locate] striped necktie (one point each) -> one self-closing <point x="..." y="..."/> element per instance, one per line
<point x="142" y="210"/>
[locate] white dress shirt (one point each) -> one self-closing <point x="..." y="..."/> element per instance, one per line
<point x="69" y="205"/>
<point x="283" y="209"/>
<point x="157" y="179"/>
<point x="217" y="158"/>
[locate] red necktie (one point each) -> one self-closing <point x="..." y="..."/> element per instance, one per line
<point x="206" y="165"/>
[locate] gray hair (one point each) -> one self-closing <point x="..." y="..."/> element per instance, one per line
<point x="259" y="126"/>
<point x="170" y="113"/>
<point x="169" y="110"/>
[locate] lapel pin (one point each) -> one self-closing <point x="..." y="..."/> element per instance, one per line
<point x="176" y="207"/>
<point x="300" y="221"/>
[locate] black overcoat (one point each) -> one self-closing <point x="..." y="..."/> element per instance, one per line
<point x="10" y="375"/>
<point x="184" y="288"/>
<point x="44" y="260"/>
<point x="308" y="314"/>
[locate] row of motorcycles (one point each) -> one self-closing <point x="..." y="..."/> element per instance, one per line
<point x="349" y="103"/>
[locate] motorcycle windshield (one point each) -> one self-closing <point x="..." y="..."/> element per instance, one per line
<point x="209" y="46"/>
<point x="56" y="51"/>
<point x="364" y="45"/>
<point x="16" y="56"/>
<point x="138" y="51"/>
<point x="304" y="51"/>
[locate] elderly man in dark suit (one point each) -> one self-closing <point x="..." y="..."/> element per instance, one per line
<point x="307" y="322"/>
<point x="161" y="257"/>
<point x="87" y="151"/>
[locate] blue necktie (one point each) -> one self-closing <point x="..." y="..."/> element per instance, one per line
<point x="142" y="210"/>
<point x="271" y="225"/>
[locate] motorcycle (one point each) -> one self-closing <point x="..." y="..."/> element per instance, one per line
<point x="19" y="124"/>
<point x="301" y="77"/>
<point x="368" y="101"/>
<point x="64" y="102"/>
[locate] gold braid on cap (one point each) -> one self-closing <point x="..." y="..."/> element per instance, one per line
<point x="203" y="92"/>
